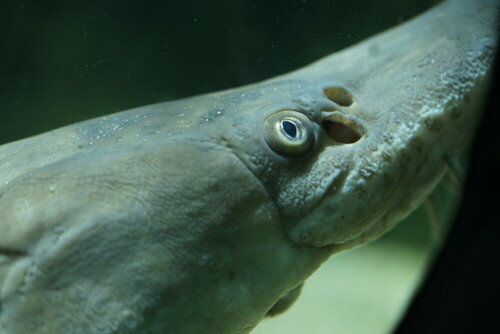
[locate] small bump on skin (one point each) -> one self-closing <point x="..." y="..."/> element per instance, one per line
<point x="368" y="170"/>
<point x="406" y="157"/>
<point x="432" y="124"/>
<point x="386" y="157"/>
<point x="417" y="144"/>
<point x="417" y="168"/>
<point x="360" y="191"/>
<point x="467" y="98"/>
<point x="388" y="180"/>
<point x="456" y="112"/>
<point x="373" y="147"/>
<point x="388" y="139"/>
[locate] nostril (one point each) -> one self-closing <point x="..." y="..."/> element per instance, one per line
<point x="340" y="132"/>
<point x="338" y="95"/>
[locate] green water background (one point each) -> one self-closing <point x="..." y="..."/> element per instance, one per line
<point x="66" y="61"/>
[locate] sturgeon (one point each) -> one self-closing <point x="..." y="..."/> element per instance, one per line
<point x="206" y="214"/>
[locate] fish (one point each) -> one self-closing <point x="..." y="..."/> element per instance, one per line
<point x="207" y="214"/>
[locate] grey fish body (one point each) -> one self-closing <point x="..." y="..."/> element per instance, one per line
<point x="198" y="215"/>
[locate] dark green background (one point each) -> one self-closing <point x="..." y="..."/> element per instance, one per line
<point x="66" y="61"/>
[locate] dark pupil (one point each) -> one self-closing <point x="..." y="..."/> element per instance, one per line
<point x="289" y="128"/>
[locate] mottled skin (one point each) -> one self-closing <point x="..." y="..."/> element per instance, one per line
<point x="180" y="218"/>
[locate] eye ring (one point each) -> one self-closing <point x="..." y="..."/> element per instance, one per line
<point x="288" y="132"/>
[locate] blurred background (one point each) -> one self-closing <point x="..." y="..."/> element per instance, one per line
<point x="66" y="61"/>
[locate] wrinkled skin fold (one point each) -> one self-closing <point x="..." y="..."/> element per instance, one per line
<point x="205" y="214"/>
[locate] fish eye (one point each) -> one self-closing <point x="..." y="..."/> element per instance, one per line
<point x="289" y="127"/>
<point x="288" y="132"/>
